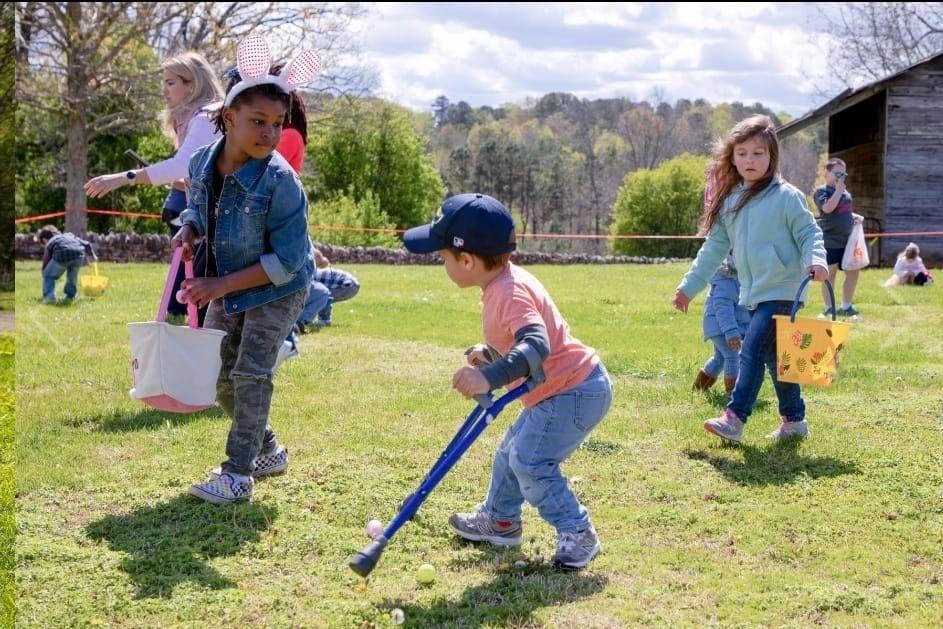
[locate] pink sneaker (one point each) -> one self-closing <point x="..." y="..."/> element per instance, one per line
<point x="789" y="430"/>
<point x="727" y="426"/>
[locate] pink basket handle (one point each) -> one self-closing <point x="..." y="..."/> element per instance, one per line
<point x="192" y="317"/>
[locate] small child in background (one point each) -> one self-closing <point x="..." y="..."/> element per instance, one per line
<point x="725" y="324"/>
<point x="63" y="253"/>
<point x="909" y="268"/>
<point x="328" y="286"/>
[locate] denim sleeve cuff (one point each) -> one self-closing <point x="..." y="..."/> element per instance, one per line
<point x="274" y="269"/>
<point x="187" y="217"/>
<point x="731" y="334"/>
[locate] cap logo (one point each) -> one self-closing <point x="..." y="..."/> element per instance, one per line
<point x="457" y="242"/>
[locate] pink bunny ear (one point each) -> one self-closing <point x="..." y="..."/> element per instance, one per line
<point x="253" y="57"/>
<point x="303" y="69"/>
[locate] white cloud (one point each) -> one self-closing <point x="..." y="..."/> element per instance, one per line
<point x="489" y="54"/>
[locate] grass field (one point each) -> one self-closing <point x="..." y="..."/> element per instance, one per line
<point x="845" y="529"/>
<point x="7" y="480"/>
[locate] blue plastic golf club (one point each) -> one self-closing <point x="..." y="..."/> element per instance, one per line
<point x="363" y="561"/>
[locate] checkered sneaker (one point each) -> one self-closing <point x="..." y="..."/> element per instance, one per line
<point x="272" y="462"/>
<point x="224" y="489"/>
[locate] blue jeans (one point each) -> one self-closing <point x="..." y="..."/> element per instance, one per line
<point x="759" y="352"/>
<point x="321" y="299"/>
<point x="527" y="464"/>
<point x="54" y="271"/>
<point x="724" y="359"/>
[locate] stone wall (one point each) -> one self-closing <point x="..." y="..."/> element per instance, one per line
<point x="156" y="248"/>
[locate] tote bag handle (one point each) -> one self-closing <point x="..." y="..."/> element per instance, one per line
<point x="192" y="317"/>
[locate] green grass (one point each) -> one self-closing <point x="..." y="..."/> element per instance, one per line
<point x="845" y="529"/>
<point x="6" y="300"/>
<point x="7" y="480"/>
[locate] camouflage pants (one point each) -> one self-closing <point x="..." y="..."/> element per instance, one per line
<point x="244" y="388"/>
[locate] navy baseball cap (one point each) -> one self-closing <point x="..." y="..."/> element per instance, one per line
<point x="470" y="222"/>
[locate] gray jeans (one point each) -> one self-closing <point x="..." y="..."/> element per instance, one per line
<point x="244" y="388"/>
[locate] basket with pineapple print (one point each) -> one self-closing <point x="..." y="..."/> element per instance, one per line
<point x="808" y="350"/>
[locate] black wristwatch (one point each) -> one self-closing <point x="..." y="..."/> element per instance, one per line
<point x="131" y="175"/>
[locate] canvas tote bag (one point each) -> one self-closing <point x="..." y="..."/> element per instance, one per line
<point x="174" y="368"/>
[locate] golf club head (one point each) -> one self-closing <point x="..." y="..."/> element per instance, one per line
<point x="363" y="561"/>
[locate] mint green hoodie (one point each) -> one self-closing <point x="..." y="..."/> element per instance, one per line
<point x="774" y="238"/>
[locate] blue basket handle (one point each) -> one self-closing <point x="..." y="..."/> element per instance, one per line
<point x="795" y="302"/>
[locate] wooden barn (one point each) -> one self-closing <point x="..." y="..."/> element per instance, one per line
<point x="890" y="134"/>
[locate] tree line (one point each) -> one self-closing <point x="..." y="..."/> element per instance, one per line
<point x="87" y="85"/>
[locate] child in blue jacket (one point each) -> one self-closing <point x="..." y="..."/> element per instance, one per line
<point x="725" y="325"/>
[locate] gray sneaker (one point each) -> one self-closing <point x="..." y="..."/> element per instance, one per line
<point x="224" y="489"/>
<point x="789" y="430"/>
<point x="576" y="550"/>
<point x="481" y="527"/>
<point x="274" y="461"/>
<point x="727" y="426"/>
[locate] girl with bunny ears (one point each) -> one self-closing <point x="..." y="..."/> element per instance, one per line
<point x="248" y="203"/>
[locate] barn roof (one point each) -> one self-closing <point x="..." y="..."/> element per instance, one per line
<point x="846" y="99"/>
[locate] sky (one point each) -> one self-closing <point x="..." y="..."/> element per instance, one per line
<point x="496" y="53"/>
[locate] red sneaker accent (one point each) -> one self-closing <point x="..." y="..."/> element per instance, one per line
<point x="503" y="524"/>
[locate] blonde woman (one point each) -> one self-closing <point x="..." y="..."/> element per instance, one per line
<point x="192" y="96"/>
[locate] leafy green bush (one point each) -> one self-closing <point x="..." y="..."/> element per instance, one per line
<point x="343" y="211"/>
<point x="665" y="200"/>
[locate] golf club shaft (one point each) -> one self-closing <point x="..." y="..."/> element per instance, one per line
<point x="453" y="453"/>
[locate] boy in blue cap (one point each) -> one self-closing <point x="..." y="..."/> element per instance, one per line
<point x="523" y="331"/>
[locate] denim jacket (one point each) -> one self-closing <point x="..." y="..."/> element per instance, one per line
<point x="262" y="216"/>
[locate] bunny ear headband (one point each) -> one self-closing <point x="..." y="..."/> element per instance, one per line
<point x="254" y="59"/>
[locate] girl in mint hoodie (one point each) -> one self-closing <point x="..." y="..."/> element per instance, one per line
<point x="776" y="244"/>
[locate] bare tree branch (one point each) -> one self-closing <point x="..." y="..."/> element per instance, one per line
<point x="873" y="40"/>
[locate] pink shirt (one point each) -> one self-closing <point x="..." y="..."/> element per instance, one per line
<point x="292" y="148"/>
<point x="515" y="299"/>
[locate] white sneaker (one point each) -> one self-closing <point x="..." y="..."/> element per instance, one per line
<point x="286" y="351"/>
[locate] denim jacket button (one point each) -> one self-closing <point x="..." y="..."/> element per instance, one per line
<point x="227" y="211"/>
<point x="247" y="209"/>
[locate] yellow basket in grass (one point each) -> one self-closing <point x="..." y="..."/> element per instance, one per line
<point x="93" y="285"/>
<point x="808" y="350"/>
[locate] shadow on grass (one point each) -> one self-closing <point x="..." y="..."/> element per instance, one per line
<point x="169" y="543"/>
<point x="144" y="419"/>
<point x="510" y="599"/>
<point x="777" y="464"/>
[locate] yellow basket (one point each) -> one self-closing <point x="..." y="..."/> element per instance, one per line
<point x="808" y="350"/>
<point x="93" y="285"/>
